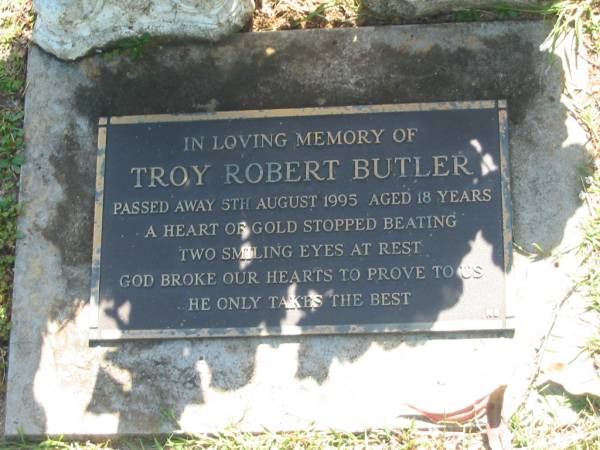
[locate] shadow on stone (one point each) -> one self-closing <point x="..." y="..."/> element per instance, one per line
<point x="140" y="382"/>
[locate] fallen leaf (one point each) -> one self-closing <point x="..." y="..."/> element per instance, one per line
<point x="498" y="434"/>
<point x="462" y="415"/>
<point x="578" y="377"/>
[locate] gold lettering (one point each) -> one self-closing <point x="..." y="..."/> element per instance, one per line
<point x="237" y="303"/>
<point x="418" y="168"/>
<point x="199" y="304"/>
<point x="398" y="248"/>
<point x="274" y="168"/>
<point x="346" y="137"/>
<point x="460" y="162"/>
<point x="156" y="174"/>
<point x="150" y="232"/>
<point x="200" y="171"/>
<point x="346" y="300"/>
<point x="389" y="298"/>
<point x="396" y="273"/>
<point x="302" y="141"/>
<point x="331" y="168"/>
<point x="195" y="143"/>
<point x="138" y="175"/>
<point x="419" y="222"/>
<point x="362" y="137"/>
<point x="299" y="276"/>
<point x="312" y="167"/>
<point x="231" y="172"/>
<point x="184" y="177"/>
<point x="188" y="279"/>
<point x="286" y="172"/>
<point x="361" y="170"/>
<point x="377" y="134"/>
<point x="438" y="164"/>
<point x="334" y="139"/>
<point x="401" y="135"/>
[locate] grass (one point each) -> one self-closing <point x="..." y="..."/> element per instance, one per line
<point x="133" y="47"/>
<point x="233" y="439"/>
<point x="538" y="425"/>
<point x="16" y="20"/>
<point x="590" y="252"/>
<point x="583" y="17"/>
<point x="580" y="16"/>
<point x="273" y="15"/>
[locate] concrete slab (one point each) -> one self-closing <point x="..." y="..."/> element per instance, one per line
<point x="59" y="385"/>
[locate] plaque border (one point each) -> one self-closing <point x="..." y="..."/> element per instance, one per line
<point x="501" y="323"/>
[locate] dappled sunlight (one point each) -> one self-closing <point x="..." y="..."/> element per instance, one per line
<point x="247" y="255"/>
<point x="279" y="382"/>
<point x="246" y="230"/>
<point x="118" y="314"/>
<point x="124" y="312"/>
<point x="273" y="15"/>
<point x="478" y="271"/>
<point x="64" y="400"/>
<point x="576" y="135"/>
<point x="487" y="161"/>
<point x="293" y="316"/>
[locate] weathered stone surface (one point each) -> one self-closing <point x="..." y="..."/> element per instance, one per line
<point x="69" y="29"/>
<point x="60" y="385"/>
<point x="420" y="8"/>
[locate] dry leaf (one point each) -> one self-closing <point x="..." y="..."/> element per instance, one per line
<point x="578" y="378"/>
<point x="461" y="415"/>
<point x="498" y="435"/>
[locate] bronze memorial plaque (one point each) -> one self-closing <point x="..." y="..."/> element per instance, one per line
<point x="358" y="219"/>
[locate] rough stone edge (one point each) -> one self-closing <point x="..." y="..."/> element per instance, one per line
<point x="78" y="38"/>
